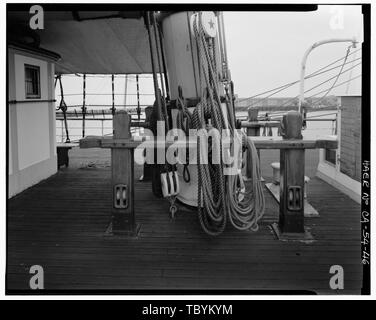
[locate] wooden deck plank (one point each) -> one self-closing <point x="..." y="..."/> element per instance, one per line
<point x="60" y="225"/>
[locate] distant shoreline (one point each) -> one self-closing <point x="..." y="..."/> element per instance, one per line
<point x="279" y="108"/>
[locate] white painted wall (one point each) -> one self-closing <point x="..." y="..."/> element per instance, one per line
<point x="331" y="173"/>
<point x="31" y="127"/>
<point x="33" y="133"/>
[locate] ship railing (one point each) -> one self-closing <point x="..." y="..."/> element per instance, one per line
<point x="268" y="124"/>
<point x="99" y="121"/>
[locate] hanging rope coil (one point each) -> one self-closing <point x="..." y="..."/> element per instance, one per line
<point x="221" y="197"/>
<point x="211" y="182"/>
<point x="244" y="215"/>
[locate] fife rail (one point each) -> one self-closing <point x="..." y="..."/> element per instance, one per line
<point x="327" y="142"/>
<point x="138" y="123"/>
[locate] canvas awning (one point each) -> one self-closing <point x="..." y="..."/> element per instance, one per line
<point x="92" y="42"/>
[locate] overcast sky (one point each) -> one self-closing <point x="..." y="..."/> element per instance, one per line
<point x="265" y="50"/>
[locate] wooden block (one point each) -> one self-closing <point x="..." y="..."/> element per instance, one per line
<point x="291" y="212"/>
<point x="279" y="143"/>
<point x="259" y="142"/>
<point x="309" y="211"/>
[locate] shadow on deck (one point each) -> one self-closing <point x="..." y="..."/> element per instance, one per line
<point x="60" y="223"/>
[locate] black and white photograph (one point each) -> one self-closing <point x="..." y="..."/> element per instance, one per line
<point x="177" y="149"/>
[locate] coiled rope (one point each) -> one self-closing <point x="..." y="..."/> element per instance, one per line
<point x="220" y="197"/>
<point x="245" y="214"/>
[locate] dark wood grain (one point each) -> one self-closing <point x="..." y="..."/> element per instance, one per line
<point x="60" y="224"/>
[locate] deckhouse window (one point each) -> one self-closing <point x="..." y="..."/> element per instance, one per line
<point x="32" y="82"/>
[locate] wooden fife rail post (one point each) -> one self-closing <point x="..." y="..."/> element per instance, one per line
<point x="122" y="166"/>
<point x="291" y="208"/>
<point x="292" y="146"/>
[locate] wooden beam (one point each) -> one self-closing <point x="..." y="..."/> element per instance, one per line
<point x="292" y="163"/>
<point x="260" y="143"/>
<point x="122" y="177"/>
<point x="280" y="143"/>
<point x="259" y="124"/>
<point x="291" y="206"/>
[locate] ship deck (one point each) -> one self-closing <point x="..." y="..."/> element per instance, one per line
<point x="60" y="224"/>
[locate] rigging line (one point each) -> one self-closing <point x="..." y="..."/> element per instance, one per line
<point x="83" y="105"/>
<point x="344" y="57"/>
<point x="153" y="65"/>
<point x="308" y="90"/>
<point x="318" y="85"/>
<point x="311" y="74"/>
<point x="113" y="94"/>
<point x="338" y="85"/>
<point x="336" y="79"/>
<point x="138" y="99"/>
<point x="192" y="54"/>
<point x="63" y="107"/>
<point x="163" y="54"/>
<point x="281" y="88"/>
<point x="155" y="27"/>
<point x="316" y="73"/>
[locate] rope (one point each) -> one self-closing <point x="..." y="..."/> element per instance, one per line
<point x="138" y="99"/>
<point x="159" y="63"/>
<point x="336" y="79"/>
<point x="220" y="197"/>
<point x="113" y="94"/>
<point x="313" y="74"/>
<point x="153" y="66"/>
<point x="336" y="86"/>
<point x="286" y="86"/>
<point x="211" y="183"/>
<point x="63" y="107"/>
<point x="245" y="215"/>
<point x="321" y="83"/>
<point x="83" y="105"/>
<point x="184" y="122"/>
